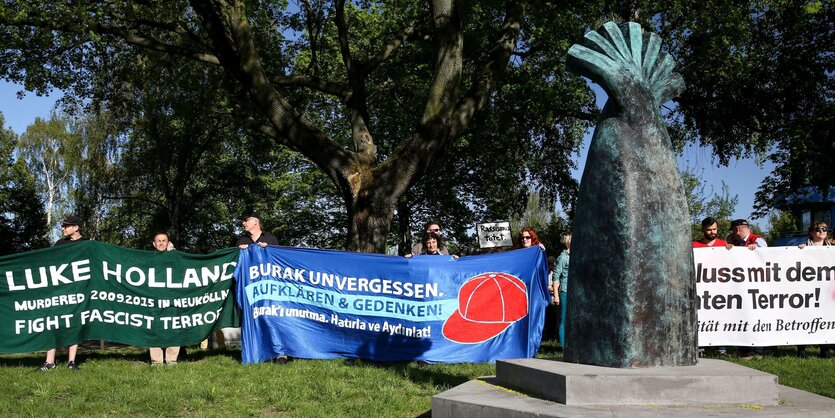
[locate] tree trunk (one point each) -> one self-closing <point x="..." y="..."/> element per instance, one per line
<point x="370" y="203"/>
<point x="404" y="219"/>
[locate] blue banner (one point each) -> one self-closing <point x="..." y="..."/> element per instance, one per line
<point x="329" y="304"/>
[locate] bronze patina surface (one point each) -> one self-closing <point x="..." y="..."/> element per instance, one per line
<point x="631" y="299"/>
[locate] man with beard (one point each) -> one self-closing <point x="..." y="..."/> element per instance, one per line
<point x="710" y="228"/>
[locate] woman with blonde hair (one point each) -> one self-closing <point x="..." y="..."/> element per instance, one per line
<point x="561" y="282"/>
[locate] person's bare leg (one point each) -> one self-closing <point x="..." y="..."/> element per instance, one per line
<point x="72" y="350"/>
<point x="50" y="356"/>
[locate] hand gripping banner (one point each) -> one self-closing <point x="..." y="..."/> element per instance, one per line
<point x="328" y="304"/>
<point x="95" y="291"/>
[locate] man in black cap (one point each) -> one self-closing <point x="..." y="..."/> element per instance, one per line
<point x="71" y="233"/>
<point x="253" y="233"/>
<point x="742" y="236"/>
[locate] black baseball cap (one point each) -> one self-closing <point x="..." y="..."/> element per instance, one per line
<point x="737" y="223"/>
<point x="250" y="214"/>
<point x="71" y="220"/>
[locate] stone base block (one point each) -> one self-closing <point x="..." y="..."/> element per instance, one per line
<point x="482" y="398"/>
<point x="709" y="382"/>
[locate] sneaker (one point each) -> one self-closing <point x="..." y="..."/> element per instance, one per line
<point x="46" y="367"/>
<point x="72" y="366"/>
<point x="281" y="360"/>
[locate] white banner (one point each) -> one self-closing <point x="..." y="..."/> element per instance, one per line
<point x="769" y="296"/>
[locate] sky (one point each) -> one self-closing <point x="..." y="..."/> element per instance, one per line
<point x="743" y="177"/>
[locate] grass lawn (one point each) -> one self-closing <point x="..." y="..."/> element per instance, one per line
<point x="119" y="382"/>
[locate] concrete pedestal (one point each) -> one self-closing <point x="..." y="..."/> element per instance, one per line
<point x="709" y="382"/>
<point x="548" y="388"/>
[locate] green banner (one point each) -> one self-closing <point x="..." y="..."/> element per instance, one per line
<point x="94" y="291"/>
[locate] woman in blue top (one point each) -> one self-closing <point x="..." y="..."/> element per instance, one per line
<point x="561" y="282"/>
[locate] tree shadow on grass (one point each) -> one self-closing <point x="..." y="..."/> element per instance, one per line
<point x="91" y="350"/>
<point x="444" y="375"/>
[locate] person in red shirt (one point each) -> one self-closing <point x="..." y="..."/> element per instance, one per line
<point x="710" y="228"/>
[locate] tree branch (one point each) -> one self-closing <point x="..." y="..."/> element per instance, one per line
<point x="315" y="83"/>
<point x="232" y="36"/>
<point x="342" y="30"/>
<point x="488" y="79"/>
<point x="408" y="33"/>
<point x="125" y="34"/>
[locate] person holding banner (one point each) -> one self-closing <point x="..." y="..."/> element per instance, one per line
<point x="71" y="233"/>
<point x="253" y="233"/>
<point x="528" y="238"/>
<point x="710" y="230"/>
<point x="163" y="243"/>
<point x="817" y="238"/>
<point x="741" y="236"/>
<point x="431" y="226"/>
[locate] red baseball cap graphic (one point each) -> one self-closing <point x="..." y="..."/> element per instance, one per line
<point x="487" y="305"/>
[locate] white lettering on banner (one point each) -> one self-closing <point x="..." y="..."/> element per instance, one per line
<point x="189" y="321"/>
<point x="345" y="283"/>
<point x="37" y="325"/>
<point x="116" y="317"/>
<point x="138" y="277"/>
<point x="769" y="296"/>
<point x="60" y="300"/>
<point x="50" y="275"/>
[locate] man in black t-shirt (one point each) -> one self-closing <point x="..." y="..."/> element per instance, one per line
<point x="71" y="231"/>
<point x="253" y="233"/>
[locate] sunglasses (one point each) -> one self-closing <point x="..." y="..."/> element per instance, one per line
<point x="821" y="229"/>
<point x="434" y="230"/>
<point x="526" y="237"/>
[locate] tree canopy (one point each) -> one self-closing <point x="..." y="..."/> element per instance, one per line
<point x="440" y="109"/>
<point x="22" y="219"/>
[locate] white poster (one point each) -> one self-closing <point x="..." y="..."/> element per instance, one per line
<point x="494" y="234"/>
<point x="764" y="297"/>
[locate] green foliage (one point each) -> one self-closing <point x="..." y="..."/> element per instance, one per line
<point x="51" y="150"/>
<point x="170" y="156"/>
<point x="758" y="74"/>
<point x="22" y="219"/>
<point x="779" y="224"/>
<point x="703" y="203"/>
<point x="544" y="220"/>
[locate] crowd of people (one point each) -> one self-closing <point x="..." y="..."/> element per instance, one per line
<point x="432" y="243"/>
<point x="740" y="235"/>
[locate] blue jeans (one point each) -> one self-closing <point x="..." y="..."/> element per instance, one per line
<point x="563" y="301"/>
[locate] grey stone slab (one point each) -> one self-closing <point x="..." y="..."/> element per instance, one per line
<point x="482" y="398"/>
<point x="709" y="382"/>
